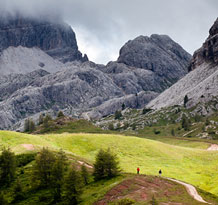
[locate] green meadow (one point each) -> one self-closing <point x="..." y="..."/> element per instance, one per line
<point x="196" y="166"/>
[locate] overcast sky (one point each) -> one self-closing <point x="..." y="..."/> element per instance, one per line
<point x="103" y="26"/>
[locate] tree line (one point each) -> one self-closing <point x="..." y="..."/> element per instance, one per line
<point x="53" y="171"/>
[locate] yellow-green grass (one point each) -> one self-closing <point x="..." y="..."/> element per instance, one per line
<point x="196" y="166"/>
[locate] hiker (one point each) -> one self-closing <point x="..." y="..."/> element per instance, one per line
<point x="138" y="170"/>
<point x="160" y="172"/>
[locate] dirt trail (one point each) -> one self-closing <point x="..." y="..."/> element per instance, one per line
<point x="28" y="147"/>
<point x="213" y="147"/>
<point x="191" y="190"/>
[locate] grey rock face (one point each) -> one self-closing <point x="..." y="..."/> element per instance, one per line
<point x="159" y="54"/>
<point x="41" y="83"/>
<point x="209" y="50"/>
<point x="56" y="39"/>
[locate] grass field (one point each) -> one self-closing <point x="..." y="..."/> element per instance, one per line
<point x="193" y="165"/>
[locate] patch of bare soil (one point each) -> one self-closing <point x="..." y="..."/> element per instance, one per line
<point x="142" y="189"/>
<point x="28" y="147"/>
<point x="213" y="147"/>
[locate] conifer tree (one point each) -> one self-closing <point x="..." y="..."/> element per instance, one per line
<point x="7" y="166"/>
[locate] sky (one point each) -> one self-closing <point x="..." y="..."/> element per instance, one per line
<point x="102" y="27"/>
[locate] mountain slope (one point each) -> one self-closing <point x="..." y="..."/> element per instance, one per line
<point x="201" y="84"/>
<point x="25" y="60"/>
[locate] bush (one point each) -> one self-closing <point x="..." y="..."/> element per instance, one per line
<point x="106" y="165"/>
<point x="146" y="110"/>
<point x="7" y="166"/>
<point x="156" y="132"/>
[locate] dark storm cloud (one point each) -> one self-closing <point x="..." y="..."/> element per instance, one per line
<point x="103" y="26"/>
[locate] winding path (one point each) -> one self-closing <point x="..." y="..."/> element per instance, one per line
<point x="191" y="190"/>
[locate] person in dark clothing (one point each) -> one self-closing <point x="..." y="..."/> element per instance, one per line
<point x="138" y="170"/>
<point x="160" y="172"/>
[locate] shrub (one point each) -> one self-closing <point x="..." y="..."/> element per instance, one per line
<point x="146" y="110"/>
<point x="156" y="132"/>
<point x="106" y="165"/>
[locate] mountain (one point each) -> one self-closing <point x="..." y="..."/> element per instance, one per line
<point x="201" y="84"/>
<point x="57" y="39"/>
<point x="43" y="71"/>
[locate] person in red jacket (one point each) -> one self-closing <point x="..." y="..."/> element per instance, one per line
<point x="138" y="170"/>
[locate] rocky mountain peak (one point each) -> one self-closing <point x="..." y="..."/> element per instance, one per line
<point x="209" y="50"/>
<point x="57" y="39"/>
<point x="157" y="53"/>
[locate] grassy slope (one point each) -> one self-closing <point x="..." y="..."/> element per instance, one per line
<point x="196" y="166"/>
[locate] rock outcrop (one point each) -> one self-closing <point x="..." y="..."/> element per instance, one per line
<point x="209" y="50"/>
<point x="56" y="39"/>
<point x="200" y="85"/>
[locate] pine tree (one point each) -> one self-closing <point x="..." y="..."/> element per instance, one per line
<point x="43" y="167"/>
<point x="41" y="119"/>
<point x="123" y="106"/>
<point x="185" y="123"/>
<point x="85" y="174"/>
<point x="60" y="114"/>
<point x="3" y="201"/>
<point x="106" y="165"/>
<point x="185" y="100"/>
<point x="173" y="132"/>
<point x="72" y="187"/>
<point x="27" y="125"/>
<point x="57" y="175"/>
<point x="117" y="115"/>
<point x="32" y="126"/>
<point x="18" y="191"/>
<point x="7" y="166"/>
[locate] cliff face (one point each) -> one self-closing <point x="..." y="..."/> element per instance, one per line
<point x="209" y="50"/>
<point x="56" y="39"/>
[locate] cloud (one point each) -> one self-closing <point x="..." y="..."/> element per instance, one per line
<point x="103" y="26"/>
